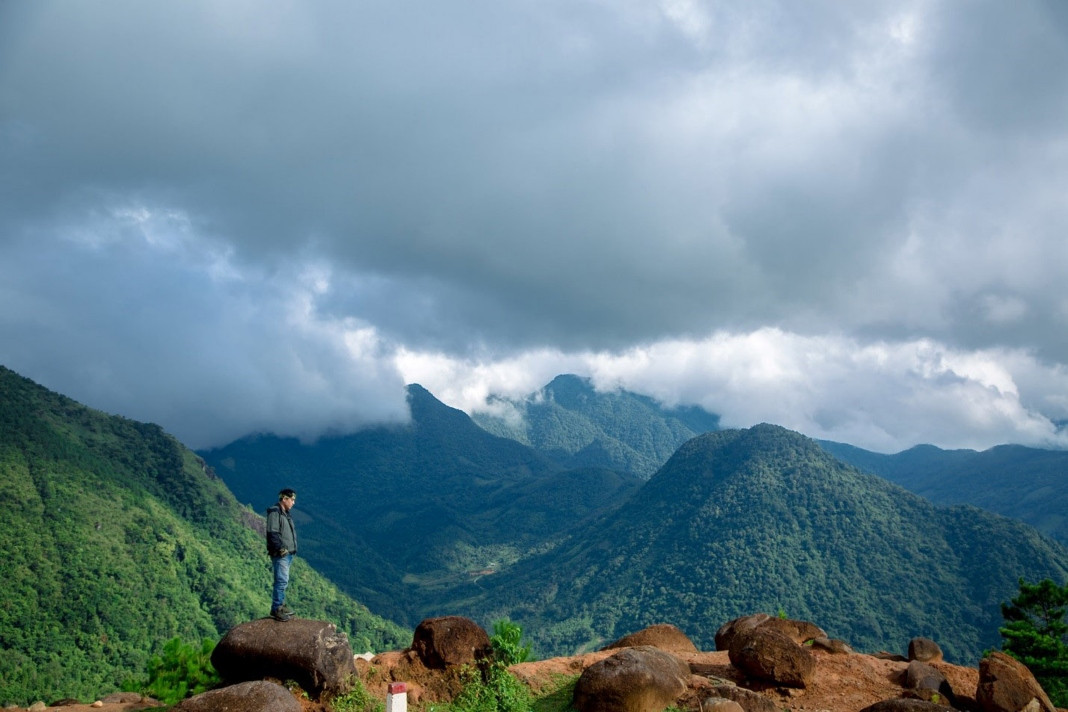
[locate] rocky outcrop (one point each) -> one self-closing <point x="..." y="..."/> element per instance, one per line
<point x="1006" y="685"/>
<point x="662" y="636"/>
<point x="765" y="670"/>
<point x="449" y="641"/>
<point x="925" y="650"/>
<point x="312" y="653"/>
<point x="255" y="696"/>
<point x="638" y="679"/>
<point x="768" y="654"/>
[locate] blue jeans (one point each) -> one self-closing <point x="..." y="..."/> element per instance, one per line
<point x="280" y="566"/>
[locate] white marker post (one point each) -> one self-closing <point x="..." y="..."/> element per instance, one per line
<point x="397" y="699"/>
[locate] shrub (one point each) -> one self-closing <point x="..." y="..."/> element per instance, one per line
<point x="492" y="689"/>
<point x="358" y="699"/>
<point x="180" y="672"/>
<point x="506" y="642"/>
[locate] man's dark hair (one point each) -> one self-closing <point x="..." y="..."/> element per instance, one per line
<point x="287" y="493"/>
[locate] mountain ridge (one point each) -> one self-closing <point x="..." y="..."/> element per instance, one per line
<point x="427" y="501"/>
<point x="574" y="424"/>
<point x="1025" y="483"/>
<point x="763" y="519"/>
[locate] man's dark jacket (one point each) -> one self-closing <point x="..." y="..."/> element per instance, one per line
<point x="281" y="534"/>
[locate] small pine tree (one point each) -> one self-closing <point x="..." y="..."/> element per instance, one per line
<point x="183" y="670"/>
<point x="1036" y="634"/>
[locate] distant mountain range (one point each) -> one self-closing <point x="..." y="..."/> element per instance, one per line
<point x="577" y="426"/>
<point x="396" y="515"/>
<point x="1024" y="483"/>
<point x="123" y="538"/>
<point x="116" y="539"/>
<point x="473" y="524"/>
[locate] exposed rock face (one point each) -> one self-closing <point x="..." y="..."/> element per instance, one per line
<point x="255" y="696"/>
<point x="768" y="654"/>
<point x="638" y="679"/>
<point x="925" y="650"/>
<point x="449" y="641"/>
<point x="663" y="636"/>
<point x="313" y="653"/>
<point x="1006" y="685"/>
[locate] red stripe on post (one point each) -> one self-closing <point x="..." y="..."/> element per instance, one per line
<point x="396" y="688"/>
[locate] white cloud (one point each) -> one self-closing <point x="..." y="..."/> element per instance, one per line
<point x="844" y="217"/>
<point x="883" y="396"/>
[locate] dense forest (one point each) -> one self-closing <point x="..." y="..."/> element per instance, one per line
<point x="1024" y="483"/>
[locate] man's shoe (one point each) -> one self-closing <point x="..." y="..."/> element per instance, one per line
<point x="281" y="614"/>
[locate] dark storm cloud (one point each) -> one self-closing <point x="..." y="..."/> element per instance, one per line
<point x="481" y="181"/>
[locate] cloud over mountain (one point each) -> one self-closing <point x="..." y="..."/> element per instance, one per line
<point x="225" y="219"/>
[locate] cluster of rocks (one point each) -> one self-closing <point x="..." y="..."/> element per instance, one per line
<point x="762" y="664"/>
<point x="776" y="653"/>
<point x="252" y="657"/>
<point x="769" y="660"/>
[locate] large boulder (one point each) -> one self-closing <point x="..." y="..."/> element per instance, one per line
<point x="765" y="653"/>
<point x="1006" y="685"/>
<point x="638" y="679"/>
<point x="450" y="641"/>
<point x="927" y="682"/>
<point x="925" y="650"/>
<point x="255" y="696"/>
<point x="798" y="631"/>
<point x="662" y="636"/>
<point x="832" y="645"/>
<point x="731" y="629"/>
<point x="312" y="653"/>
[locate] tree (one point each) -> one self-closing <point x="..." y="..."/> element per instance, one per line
<point x="1036" y="634"/>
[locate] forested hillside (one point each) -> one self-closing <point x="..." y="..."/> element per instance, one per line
<point x="764" y="520"/>
<point x="576" y="425"/>
<point x="1024" y="483"/>
<point x="404" y="516"/>
<point x="117" y="538"/>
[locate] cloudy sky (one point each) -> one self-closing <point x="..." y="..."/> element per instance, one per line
<point x="847" y="218"/>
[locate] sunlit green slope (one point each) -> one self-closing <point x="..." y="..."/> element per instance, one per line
<point x="117" y="538"/>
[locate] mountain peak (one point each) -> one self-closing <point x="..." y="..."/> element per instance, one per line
<point x="570" y="390"/>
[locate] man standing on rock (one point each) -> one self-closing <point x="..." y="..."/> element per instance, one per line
<point x="281" y="545"/>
